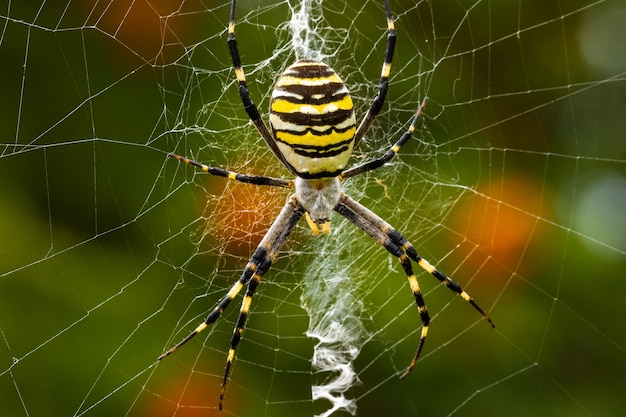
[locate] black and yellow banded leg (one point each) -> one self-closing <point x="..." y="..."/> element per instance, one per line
<point x="249" y="106"/>
<point x="259" y="263"/>
<point x="411" y="252"/>
<point x="373" y="225"/>
<point x="216" y="313"/>
<point x="268" y="250"/>
<point x="443" y="278"/>
<point x="259" y="259"/>
<point x="383" y="84"/>
<point x="377" y="163"/>
<point x="398" y="251"/>
<point x="250" y="179"/>
<point x="238" y="332"/>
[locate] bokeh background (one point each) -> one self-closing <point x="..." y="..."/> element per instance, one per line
<point x="515" y="185"/>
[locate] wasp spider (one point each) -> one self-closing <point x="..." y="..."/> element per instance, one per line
<point x="314" y="131"/>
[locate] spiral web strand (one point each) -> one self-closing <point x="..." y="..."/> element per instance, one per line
<point x="335" y="322"/>
<point x="306" y="41"/>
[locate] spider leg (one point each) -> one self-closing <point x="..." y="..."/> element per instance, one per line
<point x="383" y="84"/>
<point x="410" y="250"/>
<point x="251" y="179"/>
<point x="268" y="249"/>
<point x="248" y="104"/>
<point x="393" y="248"/>
<point x="387" y="236"/>
<point x="377" y="163"/>
<point x="259" y="263"/>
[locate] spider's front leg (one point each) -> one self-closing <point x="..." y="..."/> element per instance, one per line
<point x="383" y="84"/>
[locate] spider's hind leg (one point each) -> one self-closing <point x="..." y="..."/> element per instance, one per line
<point x="397" y="245"/>
<point x="259" y="264"/>
<point x="371" y="227"/>
<point x="443" y="278"/>
<point x="411" y="252"/>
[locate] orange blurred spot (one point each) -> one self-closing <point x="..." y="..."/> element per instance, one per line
<point x="143" y="26"/>
<point x="501" y="219"/>
<point x="241" y="214"/>
<point x="183" y="397"/>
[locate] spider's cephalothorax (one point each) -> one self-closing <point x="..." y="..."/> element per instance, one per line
<point x="313" y="134"/>
<point x="312" y="120"/>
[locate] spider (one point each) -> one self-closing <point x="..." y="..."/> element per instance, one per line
<point x="314" y="131"/>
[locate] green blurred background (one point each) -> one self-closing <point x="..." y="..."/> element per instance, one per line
<point x="515" y="185"/>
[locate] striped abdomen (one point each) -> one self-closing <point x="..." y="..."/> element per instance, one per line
<point x="312" y="119"/>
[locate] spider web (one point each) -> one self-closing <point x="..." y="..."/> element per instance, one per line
<point x="514" y="184"/>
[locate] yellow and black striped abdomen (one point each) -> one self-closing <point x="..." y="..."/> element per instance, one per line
<point x="312" y="120"/>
